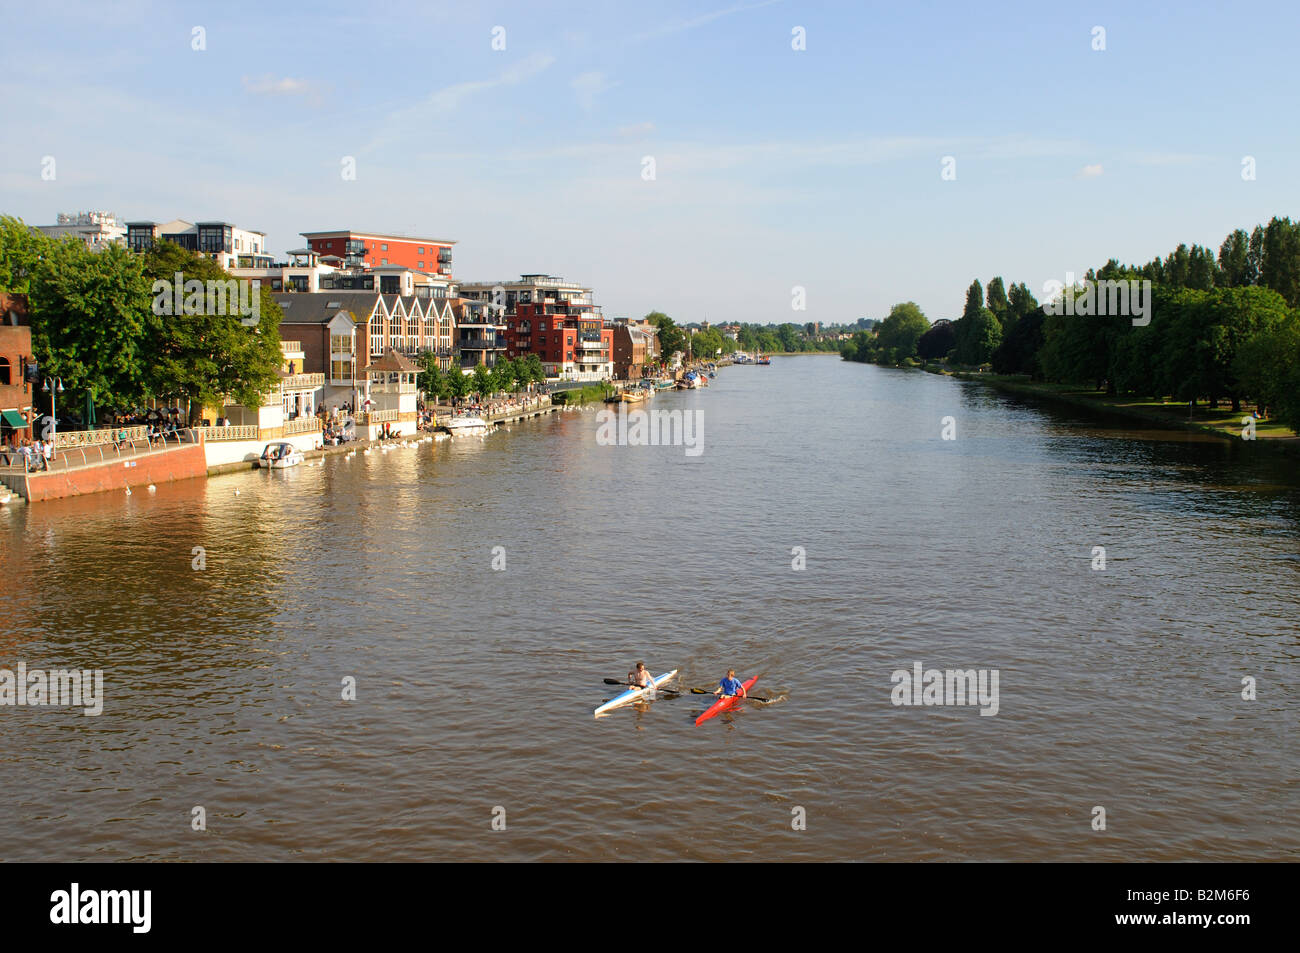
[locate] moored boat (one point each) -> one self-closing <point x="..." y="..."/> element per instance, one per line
<point x="280" y="456"/>
<point x="724" y="703"/>
<point x="467" y="426"/>
<point x="633" y="694"/>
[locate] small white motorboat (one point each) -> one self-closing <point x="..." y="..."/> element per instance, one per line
<point x="280" y="456"/>
<point x="467" y="426"/>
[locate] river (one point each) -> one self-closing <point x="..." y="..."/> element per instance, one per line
<point x="1119" y="688"/>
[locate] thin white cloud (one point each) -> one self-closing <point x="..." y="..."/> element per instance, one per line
<point x="635" y="130"/>
<point x="587" y="86"/>
<point x="680" y="25"/>
<point x="442" y="102"/>
<point x="1090" y="171"/>
<point x="1172" y="158"/>
<point x="268" y="85"/>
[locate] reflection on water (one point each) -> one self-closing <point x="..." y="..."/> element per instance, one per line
<point x="474" y="687"/>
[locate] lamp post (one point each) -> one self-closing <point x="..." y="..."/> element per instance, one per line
<point x="53" y="386"/>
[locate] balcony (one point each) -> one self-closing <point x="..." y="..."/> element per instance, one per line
<point x="483" y="344"/>
<point x="302" y="382"/>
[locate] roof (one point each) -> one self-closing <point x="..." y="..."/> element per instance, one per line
<point x="352" y="233"/>
<point x="320" y="307"/>
<point x="392" y="361"/>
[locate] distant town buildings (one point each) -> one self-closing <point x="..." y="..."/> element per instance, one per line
<point x="97" y="229"/>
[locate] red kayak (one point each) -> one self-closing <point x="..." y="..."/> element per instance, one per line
<point x="724" y="703"/>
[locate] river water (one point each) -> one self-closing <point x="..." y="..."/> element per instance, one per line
<point x="1118" y="688"/>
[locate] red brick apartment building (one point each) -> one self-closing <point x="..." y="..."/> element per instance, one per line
<point x="373" y="249"/>
<point x="554" y="319"/>
<point x="15" y="354"/>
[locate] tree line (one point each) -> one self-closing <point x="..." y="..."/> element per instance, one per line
<point x="1222" y="327"/>
<point x="506" y="375"/>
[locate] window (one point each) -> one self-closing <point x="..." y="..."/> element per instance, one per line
<point x="541" y="325"/>
<point x="384" y="247"/>
<point x="420" y="251"/>
<point x="422" y="266"/>
<point x="4" y="371"/>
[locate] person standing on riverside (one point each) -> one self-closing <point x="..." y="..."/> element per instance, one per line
<point x="730" y="685"/>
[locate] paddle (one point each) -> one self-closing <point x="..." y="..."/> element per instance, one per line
<point x="709" y="691"/>
<point x="615" y="681"/>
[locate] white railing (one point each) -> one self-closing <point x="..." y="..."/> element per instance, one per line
<point x="228" y="433"/>
<point x="92" y="438"/>
<point x="302" y="382"/>
<point x="301" y="425"/>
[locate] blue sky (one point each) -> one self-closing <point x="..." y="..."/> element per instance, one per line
<point x="774" y="168"/>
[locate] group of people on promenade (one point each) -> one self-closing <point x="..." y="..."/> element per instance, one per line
<point x="36" y="455"/>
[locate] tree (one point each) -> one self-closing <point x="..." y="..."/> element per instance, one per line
<point x="1019" y="304"/>
<point x="89" y="312"/>
<point x="935" y="343"/>
<point x="458" y="383"/>
<point x="481" y="380"/>
<point x="431" y="379"/>
<point x="997" y="300"/>
<point x="504" y="375"/>
<point x="902" y="329"/>
<point x="536" y="372"/>
<point x="1018" y="352"/>
<point x="1280" y="266"/>
<point x="671" y="337"/>
<point x="1235" y="260"/>
<point x="206" y="357"/>
<point x="21" y="250"/>
<point x="1268" y="367"/>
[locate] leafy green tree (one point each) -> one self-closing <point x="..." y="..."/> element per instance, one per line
<point x="936" y="343"/>
<point x="1018" y="352"/>
<point x="207" y="357"/>
<point x="1268" y="368"/>
<point x="1280" y="266"/>
<point x="481" y="381"/>
<point x="1020" y="303"/>
<point x="902" y="329"/>
<point x="431" y="379"/>
<point x="21" y="250"/>
<point x="534" y="370"/>
<point x="459" y="384"/>
<point x="90" y="313"/>
<point x="671" y="337"/>
<point x="997" y="300"/>
<point x="1235" y="262"/>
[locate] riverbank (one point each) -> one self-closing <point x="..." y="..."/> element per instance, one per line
<point x="1221" y="422"/>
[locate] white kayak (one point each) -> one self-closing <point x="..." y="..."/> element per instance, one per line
<point x="633" y="694"/>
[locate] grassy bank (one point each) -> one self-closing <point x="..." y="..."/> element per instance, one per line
<point x="1220" y="421"/>
<point x="582" y="395"/>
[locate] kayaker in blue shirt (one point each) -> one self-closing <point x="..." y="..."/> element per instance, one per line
<point x="730" y="685"/>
